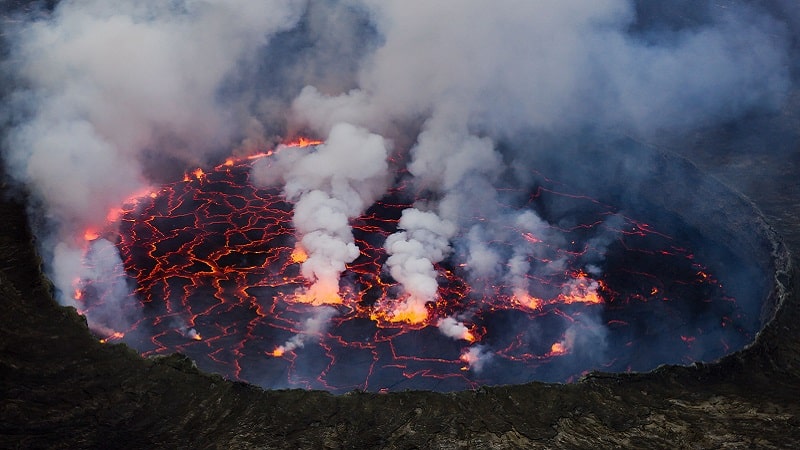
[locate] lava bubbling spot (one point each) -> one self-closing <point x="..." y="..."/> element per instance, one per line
<point x="217" y="273"/>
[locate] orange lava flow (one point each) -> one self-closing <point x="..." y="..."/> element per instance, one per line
<point x="528" y="301"/>
<point x="216" y="254"/>
<point x="299" y="254"/>
<point x="558" y="348"/>
<point x="90" y="235"/>
<point x="304" y="142"/>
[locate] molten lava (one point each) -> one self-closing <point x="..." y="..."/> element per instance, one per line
<point x="558" y="348"/>
<point x="216" y="270"/>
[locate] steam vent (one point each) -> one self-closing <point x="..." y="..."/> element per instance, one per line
<point x="321" y="224"/>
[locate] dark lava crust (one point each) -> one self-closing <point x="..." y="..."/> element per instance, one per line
<point x="61" y="388"/>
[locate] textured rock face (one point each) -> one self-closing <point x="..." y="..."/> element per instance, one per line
<point x="62" y="388"/>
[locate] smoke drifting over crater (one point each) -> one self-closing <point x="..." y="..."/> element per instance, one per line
<point x="457" y="101"/>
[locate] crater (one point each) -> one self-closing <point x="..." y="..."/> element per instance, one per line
<point x="629" y="269"/>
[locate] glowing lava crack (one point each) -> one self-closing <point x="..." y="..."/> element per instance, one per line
<point x="214" y="267"/>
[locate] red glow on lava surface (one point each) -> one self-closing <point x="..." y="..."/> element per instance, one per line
<point x="217" y="256"/>
<point x="304" y="142"/>
<point x="558" y="348"/>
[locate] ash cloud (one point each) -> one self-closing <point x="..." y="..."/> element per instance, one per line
<point x="106" y="90"/>
<point x="111" y="92"/>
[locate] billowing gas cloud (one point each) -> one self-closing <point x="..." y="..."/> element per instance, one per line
<point x="476" y="358"/>
<point x="111" y="90"/>
<point x="100" y="266"/>
<point x="311" y="329"/>
<point x="477" y="73"/>
<point x="330" y="185"/>
<point x="454" y="329"/>
<point x="558" y="65"/>
<point x="413" y="251"/>
<point x="112" y="96"/>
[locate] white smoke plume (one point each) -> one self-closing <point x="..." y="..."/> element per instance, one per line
<point x="102" y="271"/>
<point x="191" y="333"/>
<point x="445" y="161"/>
<point x="330" y="185"/>
<point x="585" y="339"/>
<point x="423" y="241"/>
<point x="454" y="329"/>
<point x="183" y="327"/>
<point x="535" y="233"/>
<point x="564" y="64"/>
<point x="311" y="329"/>
<point x="477" y="357"/>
